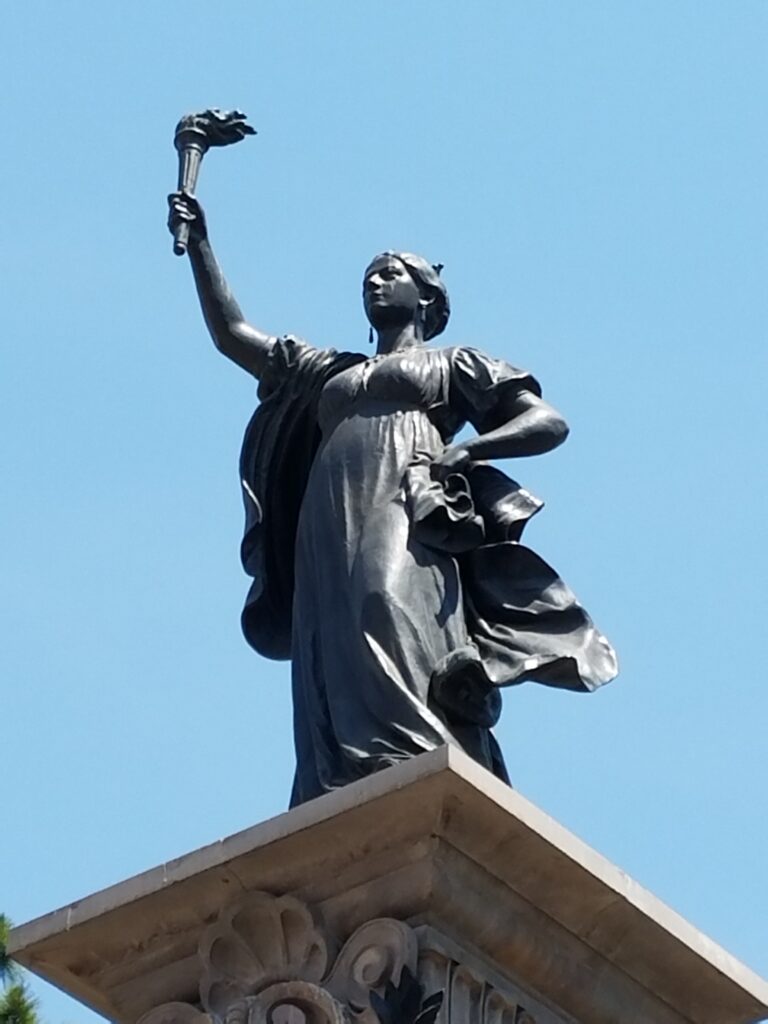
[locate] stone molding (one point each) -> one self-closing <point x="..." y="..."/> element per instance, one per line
<point x="435" y="842"/>
<point x="267" y="960"/>
<point x="474" y="990"/>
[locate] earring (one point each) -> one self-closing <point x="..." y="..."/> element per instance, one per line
<point x="421" y="322"/>
<point x="370" y="335"/>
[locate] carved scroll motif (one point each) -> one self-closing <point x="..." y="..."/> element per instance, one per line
<point x="265" y="961"/>
<point x="295" y="1002"/>
<point x="375" y="955"/>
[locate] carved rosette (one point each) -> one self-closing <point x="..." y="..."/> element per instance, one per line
<point x="266" y="960"/>
<point x="256" y="942"/>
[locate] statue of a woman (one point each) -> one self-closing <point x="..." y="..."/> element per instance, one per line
<point x="386" y="560"/>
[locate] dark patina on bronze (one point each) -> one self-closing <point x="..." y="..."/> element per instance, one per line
<point x="386" y="559"/>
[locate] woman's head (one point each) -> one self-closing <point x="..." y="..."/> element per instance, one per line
<point x="399" y="287"/>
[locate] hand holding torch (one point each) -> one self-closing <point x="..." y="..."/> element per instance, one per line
<point x="195" y="134"/>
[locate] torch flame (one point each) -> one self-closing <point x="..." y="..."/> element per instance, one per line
<point x="218" y="127"/>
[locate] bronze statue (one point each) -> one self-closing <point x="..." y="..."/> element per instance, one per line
<point x="386" y="560"/>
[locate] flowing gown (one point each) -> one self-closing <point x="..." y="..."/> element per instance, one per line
<point x="390" y="605"/>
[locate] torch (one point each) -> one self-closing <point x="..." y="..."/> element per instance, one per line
<point x="194" y="136"/>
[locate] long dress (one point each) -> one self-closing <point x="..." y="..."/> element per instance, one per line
<point x="412" y="597"/>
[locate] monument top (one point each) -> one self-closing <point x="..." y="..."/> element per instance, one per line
<point x="436" y="841"/>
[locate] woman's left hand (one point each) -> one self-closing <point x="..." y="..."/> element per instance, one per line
<point x="453" y="460"/>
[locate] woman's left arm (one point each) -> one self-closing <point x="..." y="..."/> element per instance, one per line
<point x="531" y="427"/>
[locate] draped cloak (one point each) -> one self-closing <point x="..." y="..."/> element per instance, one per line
<point x="522" y="621"/>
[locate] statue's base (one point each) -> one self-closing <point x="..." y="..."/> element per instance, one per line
<point x="434" y="865"/>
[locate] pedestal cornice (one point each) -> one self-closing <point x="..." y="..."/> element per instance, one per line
<point x="438" y="844"/>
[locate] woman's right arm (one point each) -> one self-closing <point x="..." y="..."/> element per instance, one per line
<point x="231" y="334"/>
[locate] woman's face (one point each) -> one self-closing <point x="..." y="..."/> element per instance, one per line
<point x="390" y="295"/>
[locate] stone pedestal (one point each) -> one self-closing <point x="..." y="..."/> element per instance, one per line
<point x="431" y="877"/>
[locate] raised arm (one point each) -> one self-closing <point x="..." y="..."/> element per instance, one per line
<point x="231" y="334"/>
<point x="531" y="427"/>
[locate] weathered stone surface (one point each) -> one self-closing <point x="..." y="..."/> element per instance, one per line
<point x="484" y="896"/>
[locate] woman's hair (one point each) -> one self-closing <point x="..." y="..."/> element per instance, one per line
<point x="427" y="278"/>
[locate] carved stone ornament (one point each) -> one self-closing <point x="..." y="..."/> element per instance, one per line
<point x="257" y="941"/>
<point x="375" y="955"/>
<point x="266" y="961"/>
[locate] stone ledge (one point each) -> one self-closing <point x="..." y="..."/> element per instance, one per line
<point x="435" y="841"/>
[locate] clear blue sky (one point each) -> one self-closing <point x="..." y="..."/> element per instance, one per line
<point x="593" y="176"/>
